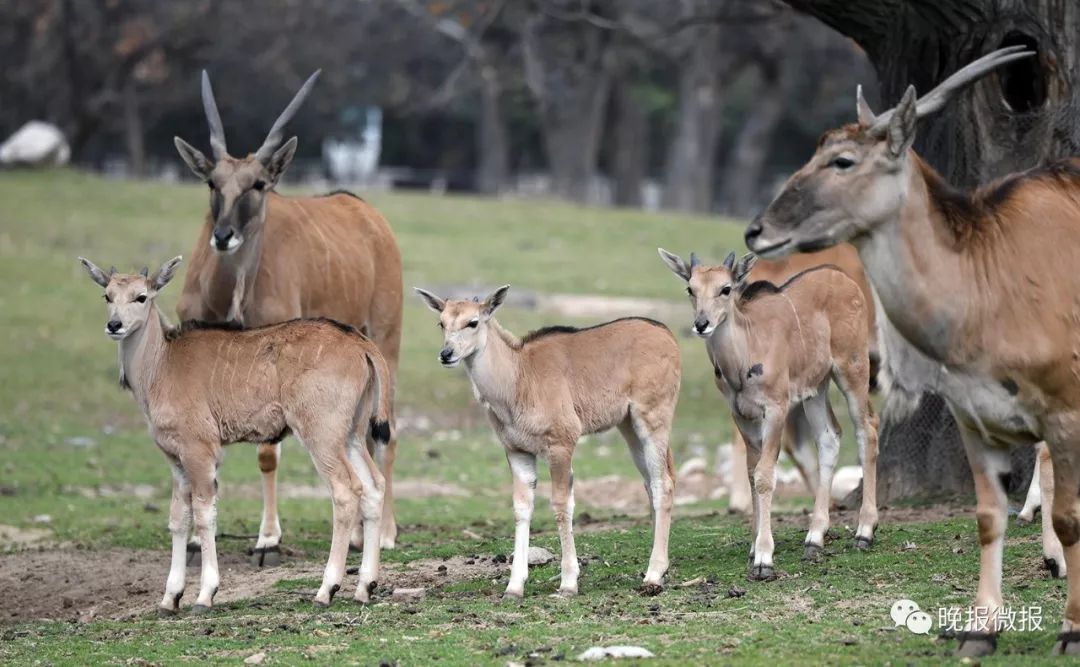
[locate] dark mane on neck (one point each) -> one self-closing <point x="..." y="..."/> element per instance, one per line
<point x="341" y="191"/>
<point x="560" y="329"/>
<point x="188" y="326"/>
<point x="760" y="287"/>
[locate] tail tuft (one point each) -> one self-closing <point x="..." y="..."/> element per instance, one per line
<point x="380" y="430"/>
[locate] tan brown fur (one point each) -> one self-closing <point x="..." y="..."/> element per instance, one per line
<point x="543" y="392"/>
<point x="774" y="350"/>
<point x="984" y="285"/>
<point x="263" y="258"/>
<point x="202" y="388"/>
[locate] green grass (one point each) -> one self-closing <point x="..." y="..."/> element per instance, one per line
<point x="59" y="384"/>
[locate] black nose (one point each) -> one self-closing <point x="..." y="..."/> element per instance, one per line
<point x="114" y="325"/>
<point x="446" y="355"/>
<point x="701" y="323"/>
<point x="753" y="231"/>
<point x="221" y="237"/>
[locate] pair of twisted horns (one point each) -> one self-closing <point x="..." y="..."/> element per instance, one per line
<point x="273" y="138"/>
<point x="936" y="98"/>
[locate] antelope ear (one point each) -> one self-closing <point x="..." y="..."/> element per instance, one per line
<point x="742" y="268"/>
<point x="492" y="303"/>
<point x="433" y="302"/>
<point x="194" y="158"/>
<point x="901" y="131"/>
<point x="281" y="159"/>
<point x="862" y="108"/>
<point x="163" y="275"/>
<point x="675" y="263"/>
<point x="96" y="274"/>
<point x="729" y="261"/>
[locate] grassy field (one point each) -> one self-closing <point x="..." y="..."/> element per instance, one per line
<point x="83" y="492"/>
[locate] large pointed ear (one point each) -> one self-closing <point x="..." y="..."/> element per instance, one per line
<point x="729" y="261"/>
<point x="194" y="158"/>
<point x="163" y="275"/>
<point x="675" y="263"/>
<point x="433" y="302"/>
<point x="96" y="274"/>
<point x="280" y="160"/>
<point x="742" y="268"/>
<point x="901" y="131"/>
<point x="492" y="303"/>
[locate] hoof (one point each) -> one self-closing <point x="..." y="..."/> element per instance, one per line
<point x="266" y="556"/>
<point x="1067" y="643"/>
<point x="761" y="573"/>
<point x="388" y="543"/>
<point x="812" y="552"/>
<point x="199" y="609"/>
<point x="194" y="555"/>
<point x="863" y="543"/>
<point x="1023" y="520"/>
<point x="162" y="612"/>
<point x="510" y="596"/>
<point x="566" y="592"/>
<point x="651" y="590"/>
<point x="1051" y="564"/>
<point x="976" y="644"/>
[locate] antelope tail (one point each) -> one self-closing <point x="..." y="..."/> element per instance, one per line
<point x="380" y="398"/>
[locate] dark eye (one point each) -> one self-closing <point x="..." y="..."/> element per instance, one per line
<point x="842" y="162"/>
<point x="690" y="291"/>
<point x="141" y="298"/>
<point x="473" y="324"/>
<point x="107" y="299"/>
<point x="725" y="290"/>
<point x="259" y="185"/>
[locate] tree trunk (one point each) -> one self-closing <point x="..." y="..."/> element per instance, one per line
<point x="133" y="130"/>
<point x="631" y="144"/>
<point x="568" y="70"/>
<point x="741" y="190"/>
<point x="1018" y="118"/>
<point x="688" y="182"/>
<point x="492" y="143"/>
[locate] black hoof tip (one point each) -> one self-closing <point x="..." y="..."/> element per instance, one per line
<point x="812" y="552"/>
<point x="199" y="609"/>
<point x="761" y="573"/>
<point x="194" y="555"/>
<point x="864" y="543"/>
<point x="162" y="612"/>
<point x="1052" y="565"/>
<point x="976" y="644"/>
<point x="266" y="556"/>
<point x="321" y="605"/>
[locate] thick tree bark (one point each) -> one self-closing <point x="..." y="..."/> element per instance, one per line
<point x="568" y="69"/>
<point x="631" y="144"/>
<point x="690" y="173"/>
<point x="492" y="143"/>
<point x="1018" y="118"/>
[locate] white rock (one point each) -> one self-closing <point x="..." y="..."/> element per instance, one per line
<point x="36" y="143"/>
<point x="845" y="480"/>
<point x="255" y="659"/>
<point x="603" y="652"/>
<point x="408" y="594"/>
<point x="694" y="466"/>
<point x="540" y="556"/>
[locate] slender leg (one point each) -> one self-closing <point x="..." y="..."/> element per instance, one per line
<point x="331" y="459"/>
<point x="523" y="470"/>
<point x="991" y="513"/>
<point x="1066" y="518"/>
<point x="1053" y="555"/>
<point x="796" y="444"/>
<point x="562" y="505"/>
<point x="815" y="415"/>
<point x="179" y="527"/>
<point x="371" y="508"/>
<point x="1033" y="501"/>
<point x="387" y="454"/>
<point x="866" y="435"/>
<point x="753" y="458"/>
<point x="202" y="475"/>
<point x="650" y="446"/>
<point x="739" y="500"/>
<point x="761" y="569"/>
<point x="267" y="549"/>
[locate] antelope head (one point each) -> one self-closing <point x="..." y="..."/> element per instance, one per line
<point x="859" y="176"/>
<point x="238" y="186"/>
<point x="129" y="298"/>
<point x="712" y="289"/>
<point x="464" y="323"/>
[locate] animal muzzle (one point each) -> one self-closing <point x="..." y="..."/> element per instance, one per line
<point x="701" y="325"/>
<point x="225" y="240"/>
<point x="114" y="325"/>
<point x="446" y="356"/>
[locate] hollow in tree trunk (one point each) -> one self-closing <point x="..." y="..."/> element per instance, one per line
<point x="1020" y="117"/>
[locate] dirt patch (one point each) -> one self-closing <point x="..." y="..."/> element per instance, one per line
<point x="13" y="537"/>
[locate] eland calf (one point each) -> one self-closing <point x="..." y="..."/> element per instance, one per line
<point x="544" y="391"/>
<point x="203" y="386"/>
<point x="774" y="349"/>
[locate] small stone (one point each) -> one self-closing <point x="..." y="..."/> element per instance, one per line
<point x="81" y="441"/>
<point x="604" y="652"/>
<point x="736" y="592"/>
<point x="408" y="594"/>
<point x="540" y="556"/>
<point x="255" y="659"/>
